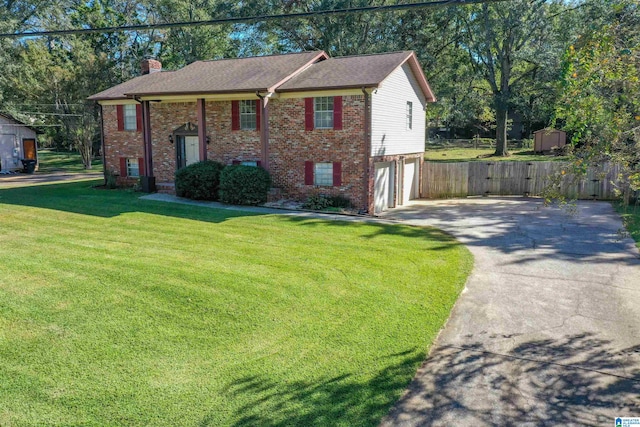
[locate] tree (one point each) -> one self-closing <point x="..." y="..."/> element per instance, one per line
<point x="600" y="102"/>
<point x="507" y="43"/>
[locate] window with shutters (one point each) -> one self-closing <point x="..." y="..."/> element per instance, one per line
<point x="248" y="115"/>
<point x="323" y="112"/>
<point x="130" y="119"/>
<point x="409" y="115"/>
<point x="323" y="174"/>
<point x="133" y="168"/>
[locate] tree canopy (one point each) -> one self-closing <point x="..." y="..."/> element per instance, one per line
<point x="486" y="62"/>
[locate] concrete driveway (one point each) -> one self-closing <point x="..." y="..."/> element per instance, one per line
<point x="547" y="331"/>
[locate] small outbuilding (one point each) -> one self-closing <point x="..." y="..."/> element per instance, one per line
<point x="547" y="139"/>
<point x="17" y="143"/>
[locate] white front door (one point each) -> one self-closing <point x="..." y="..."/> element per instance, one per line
<point x="191" y="150"/>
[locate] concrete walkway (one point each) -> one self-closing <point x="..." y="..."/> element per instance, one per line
<point x="547" y="331"/>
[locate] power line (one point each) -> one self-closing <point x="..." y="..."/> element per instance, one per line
<point x="251" y="19"/>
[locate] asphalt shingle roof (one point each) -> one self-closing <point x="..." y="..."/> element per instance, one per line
<point x="346" y="72"/>
<point x="282" y="73"/>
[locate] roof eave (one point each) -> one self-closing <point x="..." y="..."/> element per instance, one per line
<point x="420" y="77"/>
<point x="195" y="94"/>
<point x="327" y="88"/>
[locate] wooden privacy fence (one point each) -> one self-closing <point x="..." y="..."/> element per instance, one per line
<point x="441" y="180"/>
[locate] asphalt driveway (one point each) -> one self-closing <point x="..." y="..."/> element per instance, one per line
<point x="547" y="331"/>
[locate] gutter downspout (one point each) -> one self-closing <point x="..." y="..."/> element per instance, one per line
<point x="264" y="130"/>
<point x="367" y="147"/>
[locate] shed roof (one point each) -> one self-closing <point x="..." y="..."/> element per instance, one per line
<point x="13" y="119"/>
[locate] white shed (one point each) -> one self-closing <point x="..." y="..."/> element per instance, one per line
<point x="17" y="143"/>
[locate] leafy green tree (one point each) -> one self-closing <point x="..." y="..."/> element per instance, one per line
<point x="600" y="102"/>
<point x="507" y="44"/>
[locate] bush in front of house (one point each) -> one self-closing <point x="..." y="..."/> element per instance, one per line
<point x="320" y="202"/>
<point x="199" y="181"/>
<point x="244" y="185"/>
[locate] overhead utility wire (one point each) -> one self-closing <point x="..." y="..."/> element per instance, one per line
<point x="251" y="19"/>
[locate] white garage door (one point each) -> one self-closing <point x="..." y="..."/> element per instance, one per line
<point x="409" y="184"/>
<point x="382" y="187"/>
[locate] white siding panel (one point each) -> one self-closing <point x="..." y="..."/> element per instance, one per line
<point x="11" y="136"/>
<point x="389" y="133"/>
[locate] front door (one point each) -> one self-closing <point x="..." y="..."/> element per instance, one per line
<point x="188" y="150"/>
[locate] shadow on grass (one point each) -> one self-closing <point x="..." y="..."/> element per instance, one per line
<point x="82" y="198"/>
<point x="340" y="400"/>
<point x="575" y="380"/>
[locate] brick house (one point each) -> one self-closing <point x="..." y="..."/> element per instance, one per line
<point x="352" y="126"/>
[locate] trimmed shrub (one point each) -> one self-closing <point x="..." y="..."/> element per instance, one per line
<point x="320" y="202"/>
<point x="244" y="185"/>
<point x="199" y="181"/>
<point x="316" y="202"/>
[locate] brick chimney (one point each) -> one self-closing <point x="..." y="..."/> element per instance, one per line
<point x="148" y="66"/>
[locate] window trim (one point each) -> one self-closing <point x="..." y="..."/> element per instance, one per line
<point x="329" y="100"/>
<point x="409" y="115"/>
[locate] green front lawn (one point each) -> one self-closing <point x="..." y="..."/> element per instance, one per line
<point x="480" y="154"/>
<point x="64" y="161"/>
<point x="120" y="311"/>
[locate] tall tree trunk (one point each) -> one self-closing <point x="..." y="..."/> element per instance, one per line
<point x="501" y="127"/>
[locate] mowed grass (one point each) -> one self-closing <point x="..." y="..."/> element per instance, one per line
<point x="485" y="155"/>
<point x="123" y="312"/>
<point x="64" y="161"/>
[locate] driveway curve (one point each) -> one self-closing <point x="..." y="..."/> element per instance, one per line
<point x="40" y="178"/>
<point x="547" y="330"/>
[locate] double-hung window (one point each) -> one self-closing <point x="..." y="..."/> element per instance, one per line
<point x="133" y="168"/>
<point x="409" y="115"/>
<point x="323" y="174"/>
<point x="323" y="112"/>
<point x="130" y="119"/>
<point x="248" y="115"/>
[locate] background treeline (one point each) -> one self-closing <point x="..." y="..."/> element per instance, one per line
<point x="486" y="62"/>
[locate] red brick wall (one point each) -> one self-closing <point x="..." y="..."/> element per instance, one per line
<point x="290" y="146"/>
<point x="119" y="144"/>
<point x="165" y="118"/>
<point x="227" y="145"/>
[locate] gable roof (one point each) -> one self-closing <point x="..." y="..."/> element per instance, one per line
<point x="354" y="72"/>
<point x="294" y="72"/>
